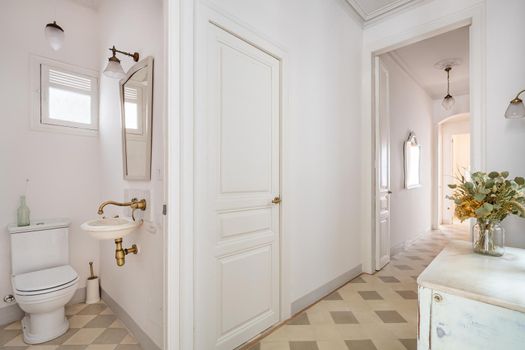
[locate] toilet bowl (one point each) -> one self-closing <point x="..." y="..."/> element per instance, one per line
<point x="43" y="281"/>
<point x="42" y="295"/>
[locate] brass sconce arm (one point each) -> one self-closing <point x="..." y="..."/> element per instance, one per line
<point x="517" y="99"/>
<point x="134" y="205"/>
<point x="135" y="55"/>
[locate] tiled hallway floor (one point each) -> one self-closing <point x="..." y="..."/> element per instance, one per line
<point x="92" y="327"/>
<point x="372" y="312"/>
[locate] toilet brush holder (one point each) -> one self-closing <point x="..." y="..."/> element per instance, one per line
<point x="92" y="287"/>
<point x="92" y="291"/>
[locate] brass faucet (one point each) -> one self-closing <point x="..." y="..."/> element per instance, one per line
<point x="134" y="205"/>
<point x="120" y="253"/>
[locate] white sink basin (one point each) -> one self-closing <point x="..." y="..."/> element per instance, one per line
<point x="110" y="228"/>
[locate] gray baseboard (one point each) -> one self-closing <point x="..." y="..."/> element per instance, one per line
<point x="324" y="290"/>
<point x="145" y="341"/>
<point x="400" y="247"/>
<point x="12" y="313"/>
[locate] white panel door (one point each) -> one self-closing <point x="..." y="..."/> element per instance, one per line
<point x="237" y="283"/>
<point x="382" y="166"/>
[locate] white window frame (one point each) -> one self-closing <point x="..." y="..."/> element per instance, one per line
<point x="39" y="119"/>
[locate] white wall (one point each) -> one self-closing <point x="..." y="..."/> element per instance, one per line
<point x="323" y="41"/>
<point x="63" y="169"/>
<point x="133" y="25"/>
<point x="504" y="77"/>
<point x="410" y="110"/>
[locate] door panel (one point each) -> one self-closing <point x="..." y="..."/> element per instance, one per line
<point x="237" y="286"/>
<point x="383" y="166"/>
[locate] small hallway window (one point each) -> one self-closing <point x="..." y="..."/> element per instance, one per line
<point x="65" y="97"/>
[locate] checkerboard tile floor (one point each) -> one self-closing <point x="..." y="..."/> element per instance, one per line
<point x="372" y="312"/>
<point x="92" y="327"/>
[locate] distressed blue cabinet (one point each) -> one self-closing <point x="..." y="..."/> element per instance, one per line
<point x="469" y="301"/>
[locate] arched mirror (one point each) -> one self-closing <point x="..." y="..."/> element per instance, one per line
<point x="136" y="99"/>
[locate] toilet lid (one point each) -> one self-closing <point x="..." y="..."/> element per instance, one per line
<point x="46" y="279"/>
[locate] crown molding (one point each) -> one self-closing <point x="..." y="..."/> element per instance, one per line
<point x="383" y="12"/>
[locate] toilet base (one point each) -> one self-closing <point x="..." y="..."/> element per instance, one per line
<point x="39" y="328"/>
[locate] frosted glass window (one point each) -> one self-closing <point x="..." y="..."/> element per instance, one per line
<point x="69" y="106"/>
<point x="133" y="105"/>
<point x="68" y="98"/>
<point x="131" y="113"/>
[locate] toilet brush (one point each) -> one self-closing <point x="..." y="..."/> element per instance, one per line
<point x="92" y="287"/>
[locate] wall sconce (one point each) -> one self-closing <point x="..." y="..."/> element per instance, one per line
<point x="54" y="35"/>
<point x="516" y="109"/>
<point x="114" y="69"/>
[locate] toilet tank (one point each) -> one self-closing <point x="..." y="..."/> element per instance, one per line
<point x="41" y="245"/>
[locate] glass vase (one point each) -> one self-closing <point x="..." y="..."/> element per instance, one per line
<point x="488" y="238"/>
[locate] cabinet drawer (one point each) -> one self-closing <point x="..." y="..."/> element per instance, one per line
<point x="458" y="323"/>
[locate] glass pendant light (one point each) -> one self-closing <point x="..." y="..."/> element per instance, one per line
<point x="516" y="109"/>
<point x="54" y="35"/>
<point x="114" y="68"/>
<point x="448" y="101"/>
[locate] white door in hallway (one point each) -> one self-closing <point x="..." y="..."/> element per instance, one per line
<point x="237" y="222"/>
<point x="382" y="165"/>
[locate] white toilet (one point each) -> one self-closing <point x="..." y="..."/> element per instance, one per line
<point x="42" y="280"/>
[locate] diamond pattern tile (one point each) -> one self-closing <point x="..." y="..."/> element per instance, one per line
<point x="91" y="327"/>
<point x="371" y="312"/>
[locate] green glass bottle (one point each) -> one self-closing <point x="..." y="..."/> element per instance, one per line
<point x="22" y="214"/>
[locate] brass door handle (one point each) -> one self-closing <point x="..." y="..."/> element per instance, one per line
<point x="276" y="200"/>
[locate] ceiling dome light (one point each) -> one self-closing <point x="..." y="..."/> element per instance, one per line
<point x="54" y="35"/>
<point x="114" y="69"/>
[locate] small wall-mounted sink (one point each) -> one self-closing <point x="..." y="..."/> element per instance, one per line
<point x="110" y="228"/>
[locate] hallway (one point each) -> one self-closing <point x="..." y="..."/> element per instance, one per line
<point x="372" y="311"/>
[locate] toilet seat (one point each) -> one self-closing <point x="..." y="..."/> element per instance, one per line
<point x="44" y="281"/>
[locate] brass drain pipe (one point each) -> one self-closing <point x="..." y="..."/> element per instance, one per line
<point x="120" y="254"/>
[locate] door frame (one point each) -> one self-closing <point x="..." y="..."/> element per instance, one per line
<point x="437" y="163"/>
<point x="417" y="29"/>
<point x="378" y="65"/>
<point x="186" y="19"/>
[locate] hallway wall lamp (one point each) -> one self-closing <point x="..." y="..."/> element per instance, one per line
<point x="516" y="109"/>
<point x="114" y="68"/>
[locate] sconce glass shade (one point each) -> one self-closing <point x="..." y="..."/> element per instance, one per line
<point x="448" y="102"/>
<point x="114" y="69"/>
<point x="515" y="110"/>
<point x="54" y="35"/>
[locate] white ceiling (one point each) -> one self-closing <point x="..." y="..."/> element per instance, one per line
<point x="92" y="4"/>
<point x="371" y="9"/>
<point x="418" y="61"/>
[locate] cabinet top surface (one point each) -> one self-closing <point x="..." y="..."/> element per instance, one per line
<point x="494" y="280"/>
